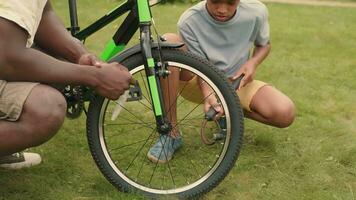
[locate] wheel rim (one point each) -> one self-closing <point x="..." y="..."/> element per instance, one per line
<point x="168" y="183"/>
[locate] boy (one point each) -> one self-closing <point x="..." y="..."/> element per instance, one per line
<point x="224" y="32"/>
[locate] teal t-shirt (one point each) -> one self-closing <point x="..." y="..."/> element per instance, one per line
<point x="226" y="44"/>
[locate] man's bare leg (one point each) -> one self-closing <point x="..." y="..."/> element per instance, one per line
<point x="42" y="116"/>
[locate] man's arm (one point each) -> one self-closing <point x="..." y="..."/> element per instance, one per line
<point x="53" y="37"/>
<point x="18" y="63"/>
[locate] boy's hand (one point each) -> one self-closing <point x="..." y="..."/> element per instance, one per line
<point x="112" y="80"/>
<point x="248" y="70"/>
<point x="211" y="102"/>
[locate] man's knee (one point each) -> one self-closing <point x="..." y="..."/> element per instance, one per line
<point x="44" y="111"/>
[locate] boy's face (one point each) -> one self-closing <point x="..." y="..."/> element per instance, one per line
<point x="222" y="10"/>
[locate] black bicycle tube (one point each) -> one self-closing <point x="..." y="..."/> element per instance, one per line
<point x="74" y="27"/>
<point x="105" y="20"/>
<point x="127" y="29"/>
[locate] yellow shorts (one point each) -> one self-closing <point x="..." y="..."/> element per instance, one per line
<point x="193" y="93"/>
<point x="12" y="98"/>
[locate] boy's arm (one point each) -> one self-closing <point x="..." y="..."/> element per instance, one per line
<point x="260" y="52"/>
<point x="250" y="67"/>
<point x="210" y="99"/>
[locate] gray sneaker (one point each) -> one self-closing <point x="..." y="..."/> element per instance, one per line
<point x="20" y="160"/>
<point x="164" y="149"/>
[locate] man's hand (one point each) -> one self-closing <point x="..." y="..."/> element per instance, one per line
<point x="248" y="70"/>
<point x="89" y="59"/>
<point x="112" y="80"/>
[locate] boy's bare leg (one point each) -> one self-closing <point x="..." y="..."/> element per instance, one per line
<point x="272" y="107"/>
<point x="170" y="90"/>
<point x="170" y="87"/>
<point x="42" y="116"/>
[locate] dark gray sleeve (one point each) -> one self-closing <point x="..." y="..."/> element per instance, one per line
<point x="190" y="40"/>
<point x="263" y="35"/>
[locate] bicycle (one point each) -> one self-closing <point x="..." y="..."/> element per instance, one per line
<point x="120" y="132"/>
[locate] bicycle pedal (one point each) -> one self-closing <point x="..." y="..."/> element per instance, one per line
<point x="135" y="93"/>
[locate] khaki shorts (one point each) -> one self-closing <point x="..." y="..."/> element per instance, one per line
<point x="12" y="98"/>
<point x="192" y="92"/>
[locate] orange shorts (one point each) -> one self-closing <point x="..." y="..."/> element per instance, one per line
<point x="12" y="98"/>
<point x="192" y="91"/>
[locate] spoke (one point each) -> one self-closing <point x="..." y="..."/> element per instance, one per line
<point x="186" y="116"/>
<point x="133" y="123"/>
<point x="129" y="121"/>
<point x="191" y="111"/>
<point x="195" y="168"/>
<point x="140" y="150"/>
<point x="176" y="99"/>
<point x="143" y="159"/>
<point x="190" y="125"/>
<point x="148" y="107"/>
<point x="194" y="118"/>
<point x="143" y="78"/>
<point x="135" y="116"/>
<point x="147" y="125"/>
<point x="198" y="116"/>
<point x="170" y="172"/>
<point x="127" y="145"/>
<point x="156" y="164"/>
<point x="123" y="132"/>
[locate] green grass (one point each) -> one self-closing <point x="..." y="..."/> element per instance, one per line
<point x="343" y="1"/>
<point x="312" y="61"/>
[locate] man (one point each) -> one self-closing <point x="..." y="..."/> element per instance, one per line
<point x="30" y="111"/>
<point x="224" y="32"/>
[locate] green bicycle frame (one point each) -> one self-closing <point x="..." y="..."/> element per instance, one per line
<point x="123" y="34"/>
<point x="139" y="17"/>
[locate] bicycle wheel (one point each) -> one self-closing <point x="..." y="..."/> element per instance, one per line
<point x="119" y="144"/>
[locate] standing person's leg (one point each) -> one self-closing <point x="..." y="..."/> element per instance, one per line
<point x="267" y="105"/>
<point x="31" y="115"/>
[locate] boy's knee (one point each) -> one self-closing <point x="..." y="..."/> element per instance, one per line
<point x="172" y="38"/>
<point x="286" y="115"/>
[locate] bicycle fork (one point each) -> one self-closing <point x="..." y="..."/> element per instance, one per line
<point x="152" y="70"/>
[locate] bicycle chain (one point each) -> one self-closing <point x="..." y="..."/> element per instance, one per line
<point x="75" y="101"/>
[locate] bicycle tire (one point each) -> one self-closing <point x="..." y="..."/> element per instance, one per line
<point x="100" y="134"/>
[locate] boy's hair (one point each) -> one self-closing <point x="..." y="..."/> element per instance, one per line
<point x="227" y="1"/>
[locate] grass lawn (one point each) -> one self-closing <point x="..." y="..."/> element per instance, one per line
<point x="345" y="1"/>
<point x="312" y="61"/>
